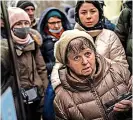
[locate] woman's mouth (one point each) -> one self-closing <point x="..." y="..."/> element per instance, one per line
<point x="89" y="23"/>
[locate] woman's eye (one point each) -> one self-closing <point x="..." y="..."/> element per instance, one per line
<point x="76" y="58"/>
<point x="83" y="13"/>
<point x="26" y="23"/>
<point x="87" y="54"/>
<point x="93" y="11"/>
<point x="18" y="23"/>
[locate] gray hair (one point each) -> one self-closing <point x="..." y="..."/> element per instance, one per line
<point x="78" y="44"/>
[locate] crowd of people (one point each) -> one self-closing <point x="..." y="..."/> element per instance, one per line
<point x="71" y="64"/>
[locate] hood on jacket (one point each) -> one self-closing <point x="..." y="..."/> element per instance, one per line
<point x="65" y="39"/>
<point x="42" y="21"/>
<point x="92" y="33"/>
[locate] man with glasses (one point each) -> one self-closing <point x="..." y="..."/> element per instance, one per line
<point x="29" y="7"/>
<point x="51" y="25"/>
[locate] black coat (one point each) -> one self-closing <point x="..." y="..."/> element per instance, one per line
<point x="124" y="31"/>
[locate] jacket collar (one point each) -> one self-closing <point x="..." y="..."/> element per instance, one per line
<point x="75" y="84"/>
<point x="93" y="33"/>
<point x="34" y="23"/>
<point x="29" y="47"/>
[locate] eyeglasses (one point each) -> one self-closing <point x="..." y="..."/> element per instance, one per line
<point x="54" y="23"/>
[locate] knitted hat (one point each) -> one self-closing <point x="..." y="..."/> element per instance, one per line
<point x="53" y="13"/>
<point x="24" y="4"/>
<point x="66" y="37"/>
<point x="17" y="14"/>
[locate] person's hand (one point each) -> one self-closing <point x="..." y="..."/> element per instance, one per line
<point x="123" y="105"/>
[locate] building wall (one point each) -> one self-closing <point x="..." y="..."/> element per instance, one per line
<point x="112" y="8"/>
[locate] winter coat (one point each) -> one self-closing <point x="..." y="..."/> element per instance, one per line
<point x="34" y="24"/>
<point x="124" y="31"/>
<point x="108" y="24"/>
<point x="107" y="44"/>
<point x="3" y="33"/>
<point x="32" y="68"/>
<point x="6" y="68"/>
<point x="49" y="40"/>
<point x="7" y="76"/>
<point x="85" y="101"/>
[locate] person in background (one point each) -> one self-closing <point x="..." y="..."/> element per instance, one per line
<point x="5" y="63"/>
<point x="88" y="80"/>
<point x="124" y="30"/>
<point x="29" y="7"/>
<point x="67" y="7"/>
<point x="32" y="68"/>
<point x="51" y="25"/>
<point x="108" y="24"/>
<point x="89" y="18"/>
<point x="2" y="27"/>
<point x="70" y="16"/>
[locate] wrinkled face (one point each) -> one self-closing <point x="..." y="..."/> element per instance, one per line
<point x="88" y="14"/>
<point x="54" y="23"/>
<point x="30" y="11"/>
<point x="82" y="63"/>
<point x="22" y="24"/>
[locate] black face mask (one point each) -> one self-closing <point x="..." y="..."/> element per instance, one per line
<point x="21" y="32"/>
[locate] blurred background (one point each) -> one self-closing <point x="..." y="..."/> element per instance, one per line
<point x="111" y="9"/>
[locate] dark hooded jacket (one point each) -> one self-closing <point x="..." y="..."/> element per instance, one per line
<point x="124" y="31"/>
<point x="49" y="40"/>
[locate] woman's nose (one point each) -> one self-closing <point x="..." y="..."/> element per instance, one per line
<point x="23" y="25"/>
<point x="85" y="60"/>
<point x="88" y="15"/>
<point x="56" y="25"/>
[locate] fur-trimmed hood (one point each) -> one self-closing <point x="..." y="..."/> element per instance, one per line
<point x="36" y="36"/>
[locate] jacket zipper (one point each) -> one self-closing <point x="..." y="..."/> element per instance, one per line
<point x="98" y="100"/>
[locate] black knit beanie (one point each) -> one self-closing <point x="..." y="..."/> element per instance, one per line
<point x="24" y="4"/>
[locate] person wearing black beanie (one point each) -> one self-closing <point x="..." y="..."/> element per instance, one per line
<point x="24" y="4"/>
<point x="29" y="7"/>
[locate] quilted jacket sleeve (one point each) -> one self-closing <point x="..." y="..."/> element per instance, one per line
<point x="55" y="80"/>
<point x="60" y="113"/>
<point x="117" y="52"/>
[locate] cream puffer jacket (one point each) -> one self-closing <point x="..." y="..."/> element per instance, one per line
<point x="83" y="100"/>
<point x="107" y="44"/>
